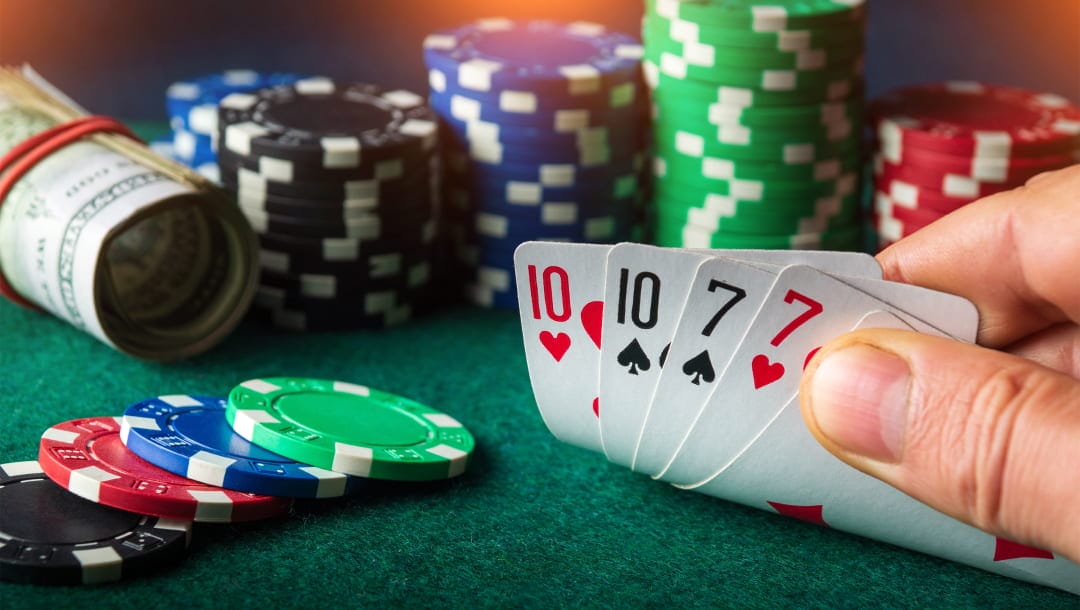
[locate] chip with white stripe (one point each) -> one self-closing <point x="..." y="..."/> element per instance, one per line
<point x="189" y="437"/>
<point x="52" y="537"/>
<point x="88" y="458"/>
<point x="350" y="428"/>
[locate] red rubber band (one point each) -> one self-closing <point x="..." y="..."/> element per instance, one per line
<point x="28" y="153"/>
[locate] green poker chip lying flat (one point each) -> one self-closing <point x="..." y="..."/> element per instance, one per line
<point x="349" y="428"/>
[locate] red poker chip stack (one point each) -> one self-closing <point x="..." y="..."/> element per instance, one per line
<point x="940" y="146"/>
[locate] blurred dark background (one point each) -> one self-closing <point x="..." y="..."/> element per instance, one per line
<point x="118" y="56"/>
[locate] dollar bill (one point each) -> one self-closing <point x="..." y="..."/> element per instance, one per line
<point x="152" y="261"/>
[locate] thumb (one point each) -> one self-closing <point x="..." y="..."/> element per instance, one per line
<point x="989" y="438"/>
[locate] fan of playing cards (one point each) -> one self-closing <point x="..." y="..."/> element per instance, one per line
<point x="685" y="365"/>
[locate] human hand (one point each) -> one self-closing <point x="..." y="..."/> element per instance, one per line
<point x="990" y="434"/>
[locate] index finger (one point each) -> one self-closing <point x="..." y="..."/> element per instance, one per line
<point x="1016" y="255"/>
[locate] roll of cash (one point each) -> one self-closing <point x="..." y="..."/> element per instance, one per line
<point x="134" y="249"/>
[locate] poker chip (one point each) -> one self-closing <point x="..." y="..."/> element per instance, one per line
<point x="977" y="120"/>
<point x="498" y="54"/>
<point x="188" y="436"/>
<point x="192" y="106"/>
<point x="329" y="172"/>
<point x="665" y="88"/>
<point x="730" y="216"/>
<point x="367" y="264"/>
<point x="761" y="15"/>
<point x="420" y="205"/>
<point x="329" y="285"/>
<point x="765" y="79"/>
<point x="556" y="222"/>
<point x="940" y="146"/>
<point x="165" y="148"/>
<point x="331" y="249"/>
<point x="757" y="114"/>
<point x="254" y="186"/>
<point x="357" y="226"/>
<point x="275" y="170"/>
<point x="52" y="537"/>
<point x="892" y="223"/>
<point x="542" y="134"/>
<point x="947" y="183"/>
<point x="510" y="110"/>
<point x="914" y="196"/>
<point x="323" y="123"/>
<point x="87" y="458"/>
<point x="574" y="178"/>
<point x="849" y="238"/>
<point x="349" y="428"/>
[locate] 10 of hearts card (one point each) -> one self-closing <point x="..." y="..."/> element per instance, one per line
<point x="684" y="365"/>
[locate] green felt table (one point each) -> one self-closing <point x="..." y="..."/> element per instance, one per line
<point x="533" y="523"/>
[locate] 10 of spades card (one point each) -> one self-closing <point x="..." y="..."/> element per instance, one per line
<point x="684" y="365"/>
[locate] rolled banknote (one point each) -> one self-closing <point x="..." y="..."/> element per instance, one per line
<point x="127" y="246"/>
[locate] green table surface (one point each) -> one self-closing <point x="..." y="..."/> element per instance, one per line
<point x="534" y="522"/>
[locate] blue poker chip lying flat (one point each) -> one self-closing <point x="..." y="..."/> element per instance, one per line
<point x="558" y="58"/>
<point x="528" y="109"/>
<point x="188" y="436"/>
<point x="459" y="165"/>
<point x="192" y="104"/>
<point x="193" y="149"/>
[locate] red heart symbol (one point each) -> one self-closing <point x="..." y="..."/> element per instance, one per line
<point x="596" y="406"/>
<point x="556" y="344"/>
<point x="592" y="319"/>
<point x="765" y="372"/>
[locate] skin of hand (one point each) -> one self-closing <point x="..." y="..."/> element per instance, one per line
<point x="987" y="433"/>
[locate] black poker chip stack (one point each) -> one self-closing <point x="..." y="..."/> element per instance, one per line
<point x="338" y="179"/>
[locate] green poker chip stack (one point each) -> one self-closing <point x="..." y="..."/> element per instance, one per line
<point x="758" y="108"/>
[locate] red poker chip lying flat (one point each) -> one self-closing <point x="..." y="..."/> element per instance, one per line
<point x="977" y="120"/>
<point x="884" y="205"/>
<point x="910" y="195"/>
<point x="951" y="185"/>
<point x="891" y="229"/>
<point x="86" y="457"/>
<point x="894" y="222"/>
<point x="991" y="170"/>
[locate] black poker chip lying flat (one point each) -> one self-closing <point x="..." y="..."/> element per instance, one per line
<point x="418" y="202"/>
<point x="274" y="169"/>
<point x="321" y="122"/>
<point x="355" y="284"/>
<point x="363" y="227"/>
<point x="387" y="262"/>
<point x="248" y="184"/>
<point x="369" y="307"/>
<point x="346" y="249"/>
<point x="53" y="537"/>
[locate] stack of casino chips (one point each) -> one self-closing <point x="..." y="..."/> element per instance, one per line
<point x="542" y="139"/>
<point x="111" y="498"/>
<point x="337" y="179"/>
<point x="940" y="146"/>
<point x="192" y="108"/>
<point x="757" y="121"/>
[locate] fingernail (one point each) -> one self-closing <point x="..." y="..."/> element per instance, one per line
<point x="859" y="396"/>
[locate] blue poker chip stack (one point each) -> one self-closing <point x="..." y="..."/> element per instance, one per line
<point x="192" y="108"/>
<point x="542" y="128"/>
